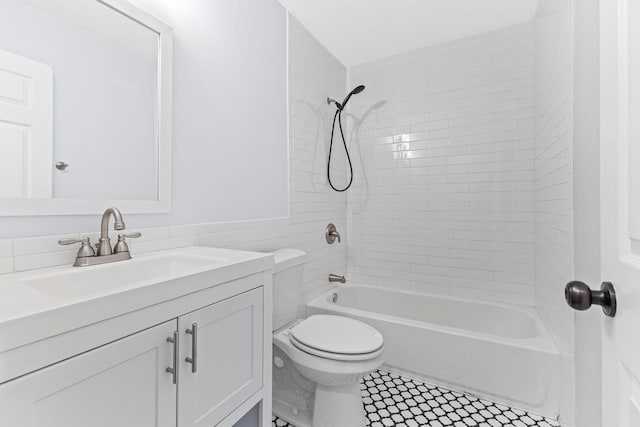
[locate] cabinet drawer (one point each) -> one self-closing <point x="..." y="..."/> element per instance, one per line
<point x="120" y="384"/>
<point x="228" y="358"/>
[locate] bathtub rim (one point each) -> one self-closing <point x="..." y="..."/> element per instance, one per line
<point x="543" y="342"/>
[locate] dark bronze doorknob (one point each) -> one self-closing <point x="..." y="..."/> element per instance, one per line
<point x="580" y="297"/>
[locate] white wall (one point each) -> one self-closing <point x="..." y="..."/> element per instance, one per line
<point x="230" y="118"/>
<point x="554" y="182"/>
<point x="443" y="190"/>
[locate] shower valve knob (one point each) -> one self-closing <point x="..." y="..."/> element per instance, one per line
<point x="331" y="234"/>
<point x="580" y="297"/>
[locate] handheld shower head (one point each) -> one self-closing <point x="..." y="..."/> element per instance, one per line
<point x="341" y="106"/>
<point x="355" y="91"/>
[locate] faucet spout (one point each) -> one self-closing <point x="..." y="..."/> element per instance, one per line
<point x="104" y="245"/>
<point x="335" y="278"/>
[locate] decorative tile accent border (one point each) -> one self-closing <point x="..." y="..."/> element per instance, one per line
<point x="394" y="400"/>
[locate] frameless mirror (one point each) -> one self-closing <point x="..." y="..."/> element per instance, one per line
<point x="85" y="108"/>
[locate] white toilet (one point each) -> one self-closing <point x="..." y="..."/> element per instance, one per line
<point x="318" y="361"/>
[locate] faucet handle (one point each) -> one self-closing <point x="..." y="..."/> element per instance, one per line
<point x="331" y="234"/>
<point x="122" y="246"/>
<point x="133" y="235"/>
<point x="85" y="249"/>
<point x="71" y="241"/>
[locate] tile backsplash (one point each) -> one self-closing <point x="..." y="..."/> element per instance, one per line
<point x="6" y="256"/>
<point x="31" y="253"/>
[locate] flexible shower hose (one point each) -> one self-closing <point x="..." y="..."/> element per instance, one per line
<point x="338" y="116"/>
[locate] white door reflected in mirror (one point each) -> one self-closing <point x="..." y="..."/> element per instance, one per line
<point x="106" y="110"/>
<point x="26" y="117"/>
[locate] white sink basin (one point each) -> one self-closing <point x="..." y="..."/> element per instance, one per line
<point x="107" y="278"/>
<point x="38" y="304"/>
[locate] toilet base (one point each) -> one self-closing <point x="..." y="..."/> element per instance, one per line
<point x="292" y="415"/>
<point x="338" y="406"/>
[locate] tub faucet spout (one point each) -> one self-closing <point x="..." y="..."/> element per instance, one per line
<point x="336" y="278"/>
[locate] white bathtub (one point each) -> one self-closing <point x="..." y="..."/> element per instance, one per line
<point x="491" y="350"/>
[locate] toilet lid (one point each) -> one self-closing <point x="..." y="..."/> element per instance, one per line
<point x="337" y="334"/>
<point x="335" y="356"/>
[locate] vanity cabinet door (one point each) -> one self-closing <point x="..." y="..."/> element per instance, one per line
<point x="119" y="384"/>
<point x="228" y="358"/>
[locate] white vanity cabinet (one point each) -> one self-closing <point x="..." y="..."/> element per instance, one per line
<point x="195" y="352"/>
<point x="120" y="384"/>
<point x="227" y="351"/>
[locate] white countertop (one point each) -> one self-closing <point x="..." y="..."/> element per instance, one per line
<point x="30" y="313"/>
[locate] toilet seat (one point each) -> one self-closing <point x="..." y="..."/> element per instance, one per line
<point x="336" y="338"/>
<point x="334" y="356"/>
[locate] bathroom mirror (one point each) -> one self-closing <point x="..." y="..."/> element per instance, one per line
<point x="85" y="108"/>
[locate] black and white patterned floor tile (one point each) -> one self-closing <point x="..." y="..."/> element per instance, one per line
<point x="394" y="400"/>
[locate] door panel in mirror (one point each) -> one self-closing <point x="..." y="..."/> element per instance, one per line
<point x="26" y="114"/>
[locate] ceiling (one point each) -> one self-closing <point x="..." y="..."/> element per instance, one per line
<point x="359" y="31"/>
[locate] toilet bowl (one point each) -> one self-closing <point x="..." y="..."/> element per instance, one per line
<point x="320" y="349"/>
<point x="320" y="360"/>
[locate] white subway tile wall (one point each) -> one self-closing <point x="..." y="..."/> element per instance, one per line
<point x="314" y="75"/>
<point x="554" y="182"/>
<point x="554" y="169"/>
<point x="443" y="142"/>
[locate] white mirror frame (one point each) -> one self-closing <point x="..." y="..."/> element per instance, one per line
<point x="23" y="207"/>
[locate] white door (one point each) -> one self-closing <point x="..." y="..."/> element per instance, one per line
<point x="121" y="384"/>
<point x="26" y="127"/>
<point x="228" y="354"/>
<point x="620" y="208"/>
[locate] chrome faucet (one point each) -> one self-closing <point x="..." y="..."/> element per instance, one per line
<point x="335" y="278"/>
<point x="104" y="245"/>
<point x="86" y="255"/>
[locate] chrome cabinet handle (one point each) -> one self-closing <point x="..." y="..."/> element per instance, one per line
<point x="194" y="347"/>
<point x="174" y="370"/>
